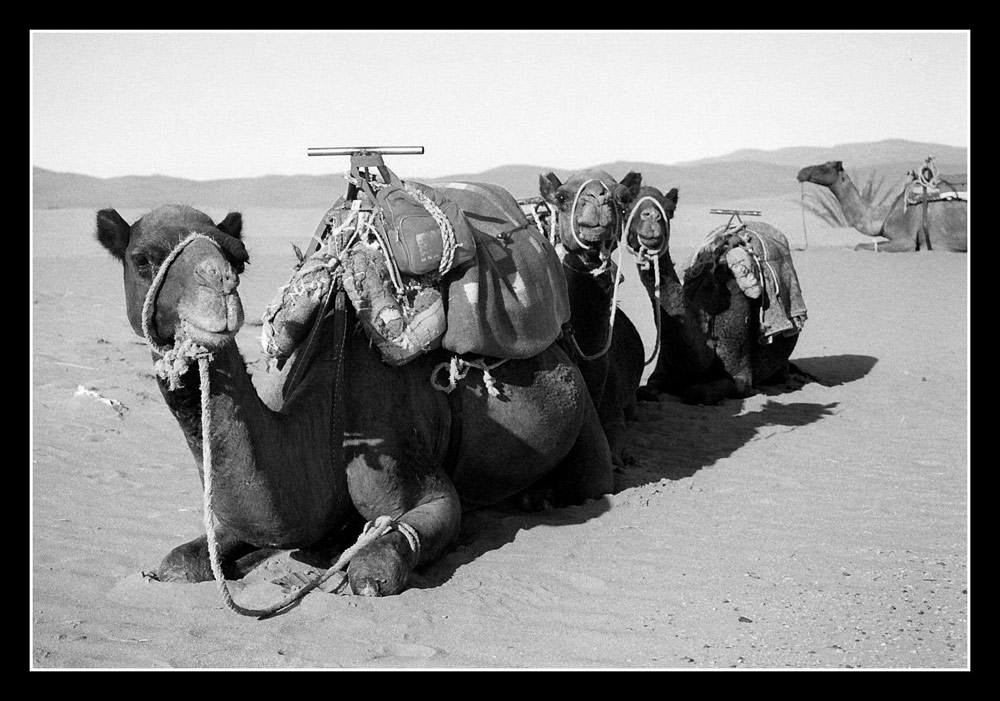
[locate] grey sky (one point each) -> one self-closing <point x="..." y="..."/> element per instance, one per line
<point x="209" y="105"/>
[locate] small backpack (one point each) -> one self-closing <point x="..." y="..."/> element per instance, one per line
<point x="424" y="231"/>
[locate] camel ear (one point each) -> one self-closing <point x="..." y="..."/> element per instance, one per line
<point x="632" y="180"/>
<point x="548" y="186"/>
<point x="628" y="189"/>
<point x="232" y="225"/>
<point x="672" y="195"/>
<point x="838" y="165"/>
<point x="113" y="232"/>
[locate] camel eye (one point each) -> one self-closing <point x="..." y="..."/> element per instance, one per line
<point x="142" y="263"/>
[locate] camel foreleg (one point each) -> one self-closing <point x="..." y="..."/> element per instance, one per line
<point x="421" y="535"/>
<point x="190" y="562"/>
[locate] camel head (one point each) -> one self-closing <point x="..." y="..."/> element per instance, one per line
<point x="590" y="207"/>
<point x="649" y="216"/>
<point x="825" y="174"/>
<point x="198" y="290"/>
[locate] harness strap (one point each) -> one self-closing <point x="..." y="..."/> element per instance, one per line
<point x="458" y="368"/>
<point x="572" y="212"/>
<point x="628" y="225"/>
<point x="371" y="531"/>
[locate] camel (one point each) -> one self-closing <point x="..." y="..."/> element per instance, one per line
<point x="941" y="222"/>
<point x="711" y="342"/>
<point x="351" y="437"/>
<point x="587" y="221"/>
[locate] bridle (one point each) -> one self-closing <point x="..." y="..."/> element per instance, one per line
<point x="176" y="360"/>
<point x="650" y="257"/>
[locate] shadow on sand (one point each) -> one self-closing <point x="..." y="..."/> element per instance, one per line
<point x="670" y="440"/>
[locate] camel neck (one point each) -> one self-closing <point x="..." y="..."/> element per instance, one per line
<point x="590" y="304"/>
<point x="671" y="291"/>
<point x="272" y="473"/>
<point x="858" y="213"/>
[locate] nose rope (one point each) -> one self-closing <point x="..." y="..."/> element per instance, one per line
<point x="663" y="213"/>
<point x="645" y="254"/>
<point x="572" y="212"/>
<point x="656" y="306"/>
<point x="187" y="351"/>
<point x="619" y="276"/>
<point x="174" y="361"/>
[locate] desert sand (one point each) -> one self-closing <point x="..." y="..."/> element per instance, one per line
<point x="818" y="527"/>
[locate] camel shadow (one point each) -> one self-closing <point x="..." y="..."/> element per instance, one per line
<point x="670" y="440"/>
<point x="834" y="370"/>
<point x="483" y="529"/>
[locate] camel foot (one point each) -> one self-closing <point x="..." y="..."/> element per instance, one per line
<point x="190" y="562"/>
<point x="381" y="568"/>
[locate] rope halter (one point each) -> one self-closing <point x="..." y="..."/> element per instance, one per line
<point x="643" y="252"/>
<point x="174" y="360"/>
<point x="183" y="353"/>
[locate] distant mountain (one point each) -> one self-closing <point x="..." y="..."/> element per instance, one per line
<point x="52" y="190"/>
<point x="740" y="175"/>
<point x="863" y="155"/>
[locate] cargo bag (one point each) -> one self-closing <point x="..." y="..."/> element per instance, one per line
<point x="424" y="231"/>
<point x="512" y="303"/>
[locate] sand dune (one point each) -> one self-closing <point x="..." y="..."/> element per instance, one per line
<point x="823" y="527"/>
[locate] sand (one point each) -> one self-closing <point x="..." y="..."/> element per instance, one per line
<point x="823" y="527"/>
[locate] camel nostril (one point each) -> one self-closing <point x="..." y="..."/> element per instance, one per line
<point x="208" y="273"/>
<point x="217" y="274"/>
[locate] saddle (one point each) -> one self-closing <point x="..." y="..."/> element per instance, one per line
<point x="926" y="185"/>
<point x="508" y="299"/>
<point x="760" y="259"/>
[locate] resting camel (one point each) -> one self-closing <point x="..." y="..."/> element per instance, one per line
<point x="352" y="436"/>
<point x="712" y="342"/>
<point x="589" y="209"/>
<point x="939" y="223"/>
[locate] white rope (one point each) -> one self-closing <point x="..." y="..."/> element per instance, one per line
<point x="572" y="211"/>
<point x="619" y="276"/>
<point x="458" y="368"/>
<point x="663" y="213"/>
<point x="182" y="354"/>
<point x="656" y="306"/>
<point x="448" y="242"/>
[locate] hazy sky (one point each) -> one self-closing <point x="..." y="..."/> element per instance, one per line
<point x="210" y="104"/>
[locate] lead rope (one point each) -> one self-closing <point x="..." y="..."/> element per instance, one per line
<point x="572" y="212"/>
<point x="802" y="203"/>
<point x="656" y="305"/>
<point x="180" y="358"/>
<point x="644" y="255"/>
<point x="619" y="276"/>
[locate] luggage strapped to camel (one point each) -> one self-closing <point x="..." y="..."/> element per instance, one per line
<point x="926" y="185"/>
<point x="759" y="258"/>
<point x="401" y="251"/>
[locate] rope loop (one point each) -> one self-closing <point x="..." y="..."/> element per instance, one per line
<point x="174" y="360"/>
<point x="449" y="242"/>
<point x="643" y="250"/>
<point x="619" y="277"/>
<point x="186" y="351"/>
<point x="457" y="368"/>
